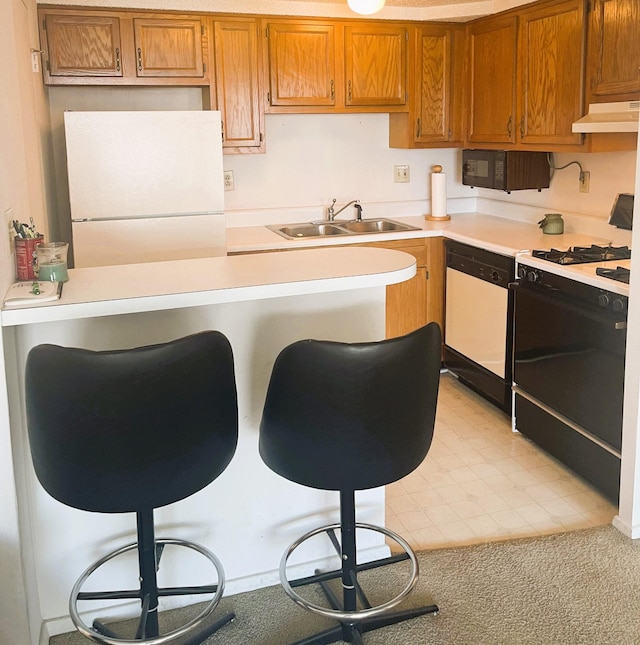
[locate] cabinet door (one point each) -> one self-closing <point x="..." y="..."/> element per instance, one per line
<point x="375" y="65"/>
<point x="415" y="302"/>
<point x="551" y="72"/>
<point x="406" y="308"/>
<point x="433" y="84"/>
<point x="492" y="51"/>
<point x="82" y="45"/>
<point x="614" y="50"/>
<point x="168" y="47"/>
<point x="301" y="64"/>
<point x="237" y="82"/>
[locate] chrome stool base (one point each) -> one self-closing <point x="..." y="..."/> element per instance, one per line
<point x="100" y="633"/>
<point x="353" y="623"/>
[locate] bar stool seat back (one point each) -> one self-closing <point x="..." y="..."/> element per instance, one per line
<point x="342" y="416"/>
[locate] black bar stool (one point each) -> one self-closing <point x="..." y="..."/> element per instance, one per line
<point x="349" y="417"/>
<point x="129" y="431"/>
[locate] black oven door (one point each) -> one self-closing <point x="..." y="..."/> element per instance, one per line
<point x="571" y="359"/>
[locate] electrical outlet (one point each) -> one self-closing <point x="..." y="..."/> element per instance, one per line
<point x="401" y="175"/>
<point x="585" y="176"/>
<point x="228" y="180"/>
<point x="11" y="232"/>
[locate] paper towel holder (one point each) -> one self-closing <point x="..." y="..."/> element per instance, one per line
<point x="437" y="170"/>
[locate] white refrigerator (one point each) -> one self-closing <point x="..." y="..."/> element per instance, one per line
<point x="145" y="186"/>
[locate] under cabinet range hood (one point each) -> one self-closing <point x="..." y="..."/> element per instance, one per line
<point x="610" y="117"/>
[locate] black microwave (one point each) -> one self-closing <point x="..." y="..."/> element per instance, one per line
<point x="506" y="169"/>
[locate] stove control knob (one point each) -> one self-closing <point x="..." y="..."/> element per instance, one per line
<point x="603" y="300"/>
<point x="617" y="305"/>
<point x="522" y="272"/>
<point x="532" y="276"/>
<point x="495" y="276"/>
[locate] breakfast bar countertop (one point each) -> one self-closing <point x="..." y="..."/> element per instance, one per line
<point x="156" y="286"/>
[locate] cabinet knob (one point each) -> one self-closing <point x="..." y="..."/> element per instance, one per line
<point x="522" y="127"/>
<point x="510" y="126"/>
<point x="117" y="59"/>
<point x="139" y="59"/>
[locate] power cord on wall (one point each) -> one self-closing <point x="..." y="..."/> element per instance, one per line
<point x="583" y="177"/>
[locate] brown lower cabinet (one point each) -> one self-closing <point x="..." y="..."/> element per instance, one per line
<point x="418" y="301"/>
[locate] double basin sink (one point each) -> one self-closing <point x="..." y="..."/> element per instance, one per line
<point x="337" y="228"/>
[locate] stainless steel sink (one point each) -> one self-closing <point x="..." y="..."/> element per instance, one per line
<point x="376" y="226"/>
<point x="322" y="229"/>
<point x="295" y="231"/>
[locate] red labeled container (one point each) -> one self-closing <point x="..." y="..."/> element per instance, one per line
<point x="26" y="257"/>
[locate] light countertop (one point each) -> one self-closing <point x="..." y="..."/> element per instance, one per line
<point x="497" y="234"/>
<point x="154" y="286"/>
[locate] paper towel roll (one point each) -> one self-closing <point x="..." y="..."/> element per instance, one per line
<point x="438" y="194"/>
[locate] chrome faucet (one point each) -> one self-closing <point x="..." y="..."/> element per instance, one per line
<point x="331" y="212"/>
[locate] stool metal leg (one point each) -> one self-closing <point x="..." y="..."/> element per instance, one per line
<point x="353" y="622"/>
<point x="193" y="630"/>
<point x="148" y="563"/>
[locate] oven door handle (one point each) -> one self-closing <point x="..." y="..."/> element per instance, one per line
<point x="603" y="318"/>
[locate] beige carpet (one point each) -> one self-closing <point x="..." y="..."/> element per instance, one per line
<point x="581" y="587"/>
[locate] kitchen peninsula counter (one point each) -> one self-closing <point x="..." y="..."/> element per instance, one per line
<point x="154" y="286"/>
<point x="262" y="303"/>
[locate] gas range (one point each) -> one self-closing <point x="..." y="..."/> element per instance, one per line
<point x="584" y="254"/>
<point x="604" y="267"/>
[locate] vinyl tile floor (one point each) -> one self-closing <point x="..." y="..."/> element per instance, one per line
<point x="482" y="482"/>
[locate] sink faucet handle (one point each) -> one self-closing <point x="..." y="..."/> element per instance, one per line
<point x="358" y="207"/>
<point x="331" y="211"/>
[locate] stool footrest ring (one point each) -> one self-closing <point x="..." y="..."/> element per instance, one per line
<point x="358" y="615"/>
<point x="192" y="625"/>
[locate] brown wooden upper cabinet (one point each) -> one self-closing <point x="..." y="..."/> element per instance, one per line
<point x="301" y="64"/>
<point x="375" y="65"/>
<point x="527" y="76"/>
<point x="326" y="66"/>
<point x="492" y="80"/>
<point x="436" y="77"/>
<point x="614" y="51"/>
<point x="551" y="53"/>
<point x="168" y="47"/>
<point x="81" y="45"/>
<point x="237" y="84"/>
<point x="105" y="47"/>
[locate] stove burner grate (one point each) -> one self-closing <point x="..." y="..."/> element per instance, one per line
<point x="584" y="254"/>
<point x="619" y="273"/>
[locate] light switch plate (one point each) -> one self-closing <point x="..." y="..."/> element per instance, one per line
<point x="401" y="175"/>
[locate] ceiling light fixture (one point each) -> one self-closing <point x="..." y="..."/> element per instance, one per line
<point x="365" y="7"/>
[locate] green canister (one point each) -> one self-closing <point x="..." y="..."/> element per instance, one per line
<point x="552" y="224"/>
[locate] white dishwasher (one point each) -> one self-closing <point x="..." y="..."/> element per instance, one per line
<point x="479" y="320"/>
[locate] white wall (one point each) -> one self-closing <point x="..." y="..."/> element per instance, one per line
<point x="312" y="159"/>
<point x="22" y="191"/>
